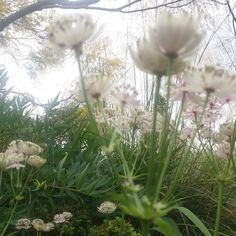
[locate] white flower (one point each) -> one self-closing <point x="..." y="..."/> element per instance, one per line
<point x="71" y="31"/>
<point x="23" y="223"/>
<point x="150" y="60"/>
<point x="107" y="207"/>
<point x="16" y="165"/>
<point x="142" y="119"/>
<point x="24" y="147"/>
<point x="12" y="160"/>
<point x="211" y="79"/>
<point x="35" y="161"/>
<point x="227" y="129"/>
<point x="39" y="225"/>
<point x="67" y="215"/>
<point x="59" y="218"/>
<point x="96" y="86"/>
<point x="125" y="95"/>
<point x="176" y="36"/>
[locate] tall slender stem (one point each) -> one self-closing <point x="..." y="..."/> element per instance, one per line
<point x="153" y="135"/>
<point x="78" y="55"/>
<point x="145" y="227"/>
<point x="9" y="220"/>
<point x="219" y="208"/>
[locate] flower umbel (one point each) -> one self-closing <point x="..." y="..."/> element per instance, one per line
<point x="23" y="223"/>
<point x="107" y="207"/>
<point x="176" y="36"/>
<point x="71" y="31"/>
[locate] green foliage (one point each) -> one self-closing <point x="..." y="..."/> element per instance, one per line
<point x="114" y="227"/>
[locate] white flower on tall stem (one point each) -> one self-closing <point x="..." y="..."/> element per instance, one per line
<point x="71" y="31"/>
<point x="211" y="80"/>
<point x="125" y="95"/>
<point x="176" y="36"/>
<point x="152" y="61"/>
<point x="96" y="86"/>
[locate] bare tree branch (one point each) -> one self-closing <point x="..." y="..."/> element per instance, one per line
<point x="233" y="16"/>
<point x="44" y="4"/>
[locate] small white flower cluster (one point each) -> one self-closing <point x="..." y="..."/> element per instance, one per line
<point x="20" y="153"/>
<point x="71" y="31"/>
<point x="61" y="218"/>
<point x="173" y="37"/>
<point x="107" y="207"/>
<point x="40" y="225"/>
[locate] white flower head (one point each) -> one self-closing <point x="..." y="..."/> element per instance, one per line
<point x="35" y="161"/>
<point x="125" y="95"/>
<point x="67" y="215"/>
<point x="59" y="218"/>
<point x="211" y="80"/>
<point x="150" y="60"/>
<point x="23" y="223"/>
<point x="96" y="86"/>
<point x="71" y="31"/>
<point x="107" y="207"/>
<point x="24" y="147"/>
<point x="227" y="129"/>
<point x="39" y="225"/>
<point x="176" y="36"/>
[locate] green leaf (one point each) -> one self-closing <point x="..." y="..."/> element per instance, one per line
<point x="167" y="226"/>
<point x="197" y="222"/>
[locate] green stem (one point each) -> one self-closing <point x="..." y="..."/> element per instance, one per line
<point x="219" y="208"/>
<point x="153" y="136"/>
<point x="9" y="220"/>
<point x="185" y="154"/>
<point x="145" y="228"/>
<point x="78" y="54"/>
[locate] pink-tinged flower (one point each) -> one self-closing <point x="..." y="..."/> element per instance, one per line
<point x="211" y="80"/>
<point x="96" y="87"/>
<point x="16" y="165"/>
<point x="187" y="133"/>
<point x="181" y="93"/>
<point x="125" y="95"/>
<point x="23" y="223"/>
<point x="224" y="149"/>
<point x="176" y="36"/>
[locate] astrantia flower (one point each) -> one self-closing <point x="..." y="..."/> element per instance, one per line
<point x="125" y="95"/>
<point x="23" y="223"/>
<point x="150" y="60"/>
<point x="59" y="218"/>
<point x="67" y="215"/>
<point x="96" y="85"/>
<point x="176" y="36"/>
<point x="107" y="207"/>
<point x="71" y="31"/>
<point x="35" y="161"/>
<point x="39" y="225"/>
<point x="24" y="147"/>
<point x="211" y="79"/>
<point x="227" y="129"/>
